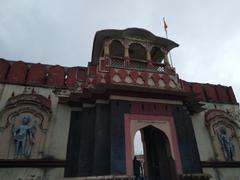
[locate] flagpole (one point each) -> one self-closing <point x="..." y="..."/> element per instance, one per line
<point x="165" y="28"/>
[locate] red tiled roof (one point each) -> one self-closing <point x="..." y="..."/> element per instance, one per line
<point x="210" y="92"/>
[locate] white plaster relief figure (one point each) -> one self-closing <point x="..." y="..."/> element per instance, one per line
<point x="24" y="138"/>
<point x="226" y="141"/>
<point x="24" y="124"/>
<point x="225" y="135"/>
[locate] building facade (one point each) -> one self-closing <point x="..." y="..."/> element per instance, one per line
<point x="63" y="122"/>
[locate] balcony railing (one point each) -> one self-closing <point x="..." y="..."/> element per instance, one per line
<point x="137" y="64"/>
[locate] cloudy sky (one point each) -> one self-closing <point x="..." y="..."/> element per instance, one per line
<point x="62" y="32"/>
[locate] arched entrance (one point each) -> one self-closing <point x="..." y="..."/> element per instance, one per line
<point x="160" y="147"/>
<point x="159" y="164"/>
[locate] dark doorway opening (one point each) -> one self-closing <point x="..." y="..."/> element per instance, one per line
<point x="158" y="161"/>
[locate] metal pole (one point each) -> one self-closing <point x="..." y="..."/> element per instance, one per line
<point x="165" y="28"/>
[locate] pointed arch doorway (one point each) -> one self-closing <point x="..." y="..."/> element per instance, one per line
<point x="161" y="154"/>
<point x="159" y="164"/>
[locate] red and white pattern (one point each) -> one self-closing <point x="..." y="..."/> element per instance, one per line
<point x="132" y="78"/>
<point x="143" y="78"/>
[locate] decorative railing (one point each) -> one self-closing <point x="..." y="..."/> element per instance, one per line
<point x="137" y="64"/>
<point x="117" y="62"/>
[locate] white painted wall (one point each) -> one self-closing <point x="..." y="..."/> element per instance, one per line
<point x="57" y="134"/>
<point x="205" y="146"/>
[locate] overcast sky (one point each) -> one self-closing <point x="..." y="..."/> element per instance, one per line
<point x="62" y="32"/>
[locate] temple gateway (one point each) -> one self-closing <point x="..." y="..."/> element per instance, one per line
<point x="80" y="122"/>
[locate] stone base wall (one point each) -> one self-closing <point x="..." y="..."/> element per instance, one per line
<point x="194" y="177"/>
<point x="122" y="177"/>
<point x="181" y="177"/>
<point x="31" y="173"/>
<point x="224" y="173"/>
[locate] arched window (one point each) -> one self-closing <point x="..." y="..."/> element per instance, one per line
<point x="137" y="52"/>
<point x="156" y="55"/>
<point x="116" y="49"/>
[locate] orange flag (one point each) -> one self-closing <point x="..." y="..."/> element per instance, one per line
<point x="165" y="24"/>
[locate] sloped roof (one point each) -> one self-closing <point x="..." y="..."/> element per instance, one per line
<point x="134" y="33"/>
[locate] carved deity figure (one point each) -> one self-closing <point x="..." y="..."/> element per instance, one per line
<point x="24" y="138"/>
<point x="227" y="145"/>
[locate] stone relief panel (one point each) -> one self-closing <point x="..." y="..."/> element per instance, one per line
<point x="24" y="136"/>
<point x="225" y="135"/>
<point x="23" y="127"/>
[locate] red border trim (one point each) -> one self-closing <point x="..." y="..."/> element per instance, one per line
<point x="128" y="149"/>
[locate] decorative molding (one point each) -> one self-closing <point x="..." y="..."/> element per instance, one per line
<point x="220" y="164"/>
<point x="150" y="79"/>
<point x="102" y="101"/>
<point x="116" y="97"/>
<point x="235" y="116"/>
<point x="109" y="177"/>
<point x="33" y="163"/>
<point x="32" y="98"/>
<point x="194" y="177"/>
